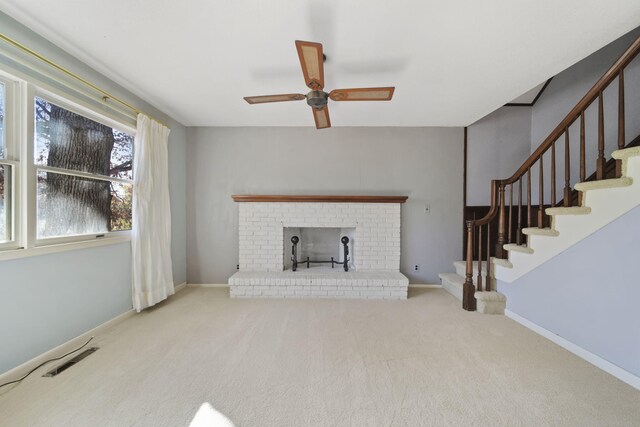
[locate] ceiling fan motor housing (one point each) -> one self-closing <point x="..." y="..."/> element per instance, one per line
<point x="317" y="99"/>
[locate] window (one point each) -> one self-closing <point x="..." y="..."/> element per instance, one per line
<point x="4" y="227"/>
<point x="5" y="203"/>
<point x="7" y="168"/>
<point x="65" y="169"/>
<point x="1" y="120"/>
<point x="83" y="173"/>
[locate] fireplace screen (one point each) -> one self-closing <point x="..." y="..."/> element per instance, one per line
<point x="308" y="247"/>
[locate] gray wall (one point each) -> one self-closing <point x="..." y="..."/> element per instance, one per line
<point x="49" y="299"/>
<point x="496" y="146"/>
<point x="568" y="87"/>
<point x="422" y="163"/>
<point x="499" y="143"/>
<point x="564" y="92"/>
<point x="589" y="294"/>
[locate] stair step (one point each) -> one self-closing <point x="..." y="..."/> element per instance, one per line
<point x="512" y="247"/>
<point x="574" y="210"/>
<point x="604" y="183"/>
<point x="535" y="231"/>
<point x="490" y="302"/>
<point x="452" y="283"/>
<point x="502" y="262"/>
<point x="625" y="153"/>
<point x="461" y="268"/>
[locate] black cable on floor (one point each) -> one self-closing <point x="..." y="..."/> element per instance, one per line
<point x="44" y="363"/>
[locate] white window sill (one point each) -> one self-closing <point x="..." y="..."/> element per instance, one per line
<point x="62" y="247"/>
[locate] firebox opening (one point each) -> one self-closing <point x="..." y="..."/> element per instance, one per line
<point x="319" y="244"/>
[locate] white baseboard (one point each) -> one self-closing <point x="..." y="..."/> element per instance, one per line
<point x="426" y="285"/>
<point x="208" y="285"/>
<point x="594" y="359"/>
<point x="68" y="346"/>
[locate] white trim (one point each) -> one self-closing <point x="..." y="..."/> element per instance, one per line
<point x="63" y="247"/>
<point x="426" y="285"/>
<point x="73" y="343"/>
<point x="20" y="370"/>
<point x="60" y="99"/>
<point x="77" y="93"/>
<point x="71" y="172"/>
<point x="77" y="238"/>
<point x="208" y="285"/>
<point x="594" y="359"/>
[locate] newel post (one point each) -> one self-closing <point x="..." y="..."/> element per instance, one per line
<point x="502" y="223"/>
<point x="468" y="290"/>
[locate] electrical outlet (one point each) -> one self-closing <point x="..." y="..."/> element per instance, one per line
<point x="427" y="208"/>
<point x="237" y="266"/>
<point x="416" y="267"/>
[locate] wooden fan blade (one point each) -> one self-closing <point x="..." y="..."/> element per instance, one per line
<point x="363" y="94"/>
<point x="274" y="98"/>
<point x="310" y="55"/>
<point x="321" y="116"/>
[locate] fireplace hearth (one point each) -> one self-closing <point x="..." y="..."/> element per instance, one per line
<point x="290" y="248"/>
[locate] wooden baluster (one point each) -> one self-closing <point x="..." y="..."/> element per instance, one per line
<point x="519" y="230"/>
<point x="583" y="168"/>
<point x="468" y="290"/>
<point x="510" y="213"/>
<point x="487" y="283"/>
<point x="541" y="195"/>
<point x="567" y="170"/>
<point x="553" y="174"/>
<point x="479" y="279"/>
<point x="621" y="135"/>
<point x="529" y="197"/>
<point x="601" y="163"/>
<point x="500" y="252"/>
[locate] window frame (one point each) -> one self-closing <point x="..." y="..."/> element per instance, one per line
<point x="33" y="168"/>
<point x="20" y="136"/>
<point x="11" y="133"/>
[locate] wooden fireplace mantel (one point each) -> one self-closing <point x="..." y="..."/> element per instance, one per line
<point x="317" y="199"/>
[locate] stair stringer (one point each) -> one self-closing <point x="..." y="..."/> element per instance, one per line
<point x="606" y="204"/>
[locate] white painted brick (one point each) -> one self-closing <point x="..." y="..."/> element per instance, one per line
<point x="262" y="246"/>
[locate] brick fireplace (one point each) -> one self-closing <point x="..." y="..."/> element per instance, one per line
<point x="374" y="226"/>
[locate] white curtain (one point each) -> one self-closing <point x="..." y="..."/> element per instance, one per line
<point x="151" y="241"/>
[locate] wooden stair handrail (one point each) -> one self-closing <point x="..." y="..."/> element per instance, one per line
<point x="493" y="210"/>
<point x="582" y="105"/>
<point x="572" y="116"/>
<point x="499" y="186"/>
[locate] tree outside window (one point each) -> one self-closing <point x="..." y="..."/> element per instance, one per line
<point x="98" y="199"/>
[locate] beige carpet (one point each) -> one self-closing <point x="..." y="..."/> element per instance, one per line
<point x="420" y="362"/>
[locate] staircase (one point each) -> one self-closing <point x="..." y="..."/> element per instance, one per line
<point x="602" y="202"/>
<point x="488" y="302"/>
<point x="592" y="203"/>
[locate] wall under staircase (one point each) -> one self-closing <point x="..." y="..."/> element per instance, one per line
<point x="573" y="276"/>
<point x="589" y="294"/>
<point x="602" y="202"/>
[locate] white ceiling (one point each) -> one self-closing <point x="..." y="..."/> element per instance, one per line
<point x="452" y="62"/>
<point x="529" y="96"/>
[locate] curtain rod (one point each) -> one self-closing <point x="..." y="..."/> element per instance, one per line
<point x="105" y="95"/>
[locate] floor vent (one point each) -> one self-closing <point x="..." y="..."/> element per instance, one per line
<point x="69" y="363"/>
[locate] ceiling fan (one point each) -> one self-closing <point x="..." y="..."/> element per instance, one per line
<point x="311" y="60"/>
